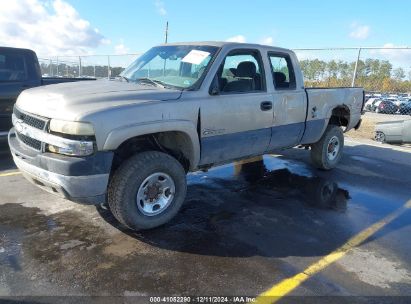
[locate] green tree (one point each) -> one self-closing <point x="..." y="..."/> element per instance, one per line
<point x="385" y="69"/>
<point x="332" y="69"/>
<point x="398" y="74"/>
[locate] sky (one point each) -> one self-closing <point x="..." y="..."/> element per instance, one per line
<point x="77" y="27"/>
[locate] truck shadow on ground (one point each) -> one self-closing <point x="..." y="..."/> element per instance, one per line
<point x="255" y="212"/>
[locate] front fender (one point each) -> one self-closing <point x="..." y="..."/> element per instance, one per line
<point x="116" y="137"/>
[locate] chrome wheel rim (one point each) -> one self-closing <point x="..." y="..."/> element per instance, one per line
<point x="379" y="136"/>
<point x="333" y="148"/>
<point x="155" y="194"/>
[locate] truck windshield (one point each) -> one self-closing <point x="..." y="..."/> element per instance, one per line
<point x="177" y="66"/>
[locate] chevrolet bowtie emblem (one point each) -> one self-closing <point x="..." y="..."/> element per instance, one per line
<point x="18" y="124"/>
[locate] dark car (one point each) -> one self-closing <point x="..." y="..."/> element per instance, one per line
<point x="405" y="108"/>
<point x="19" y="70"/>
<point x="387" y="107"/>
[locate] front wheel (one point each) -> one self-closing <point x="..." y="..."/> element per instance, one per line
<point x="147" y="190"/>
<point x="327" y="152"/>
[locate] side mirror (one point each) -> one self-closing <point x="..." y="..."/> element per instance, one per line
<point x="214" y="88"/>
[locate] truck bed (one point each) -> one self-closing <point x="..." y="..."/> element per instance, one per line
<point x="322" y="101"/>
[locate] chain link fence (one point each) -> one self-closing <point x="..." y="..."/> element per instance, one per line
<point x="382" y="71"/>
<point x="93" y="66"/>
<point x="385" y="74"/>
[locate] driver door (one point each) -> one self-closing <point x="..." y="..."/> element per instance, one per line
<point x="236" y="119"/>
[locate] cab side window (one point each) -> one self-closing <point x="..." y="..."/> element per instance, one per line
<point x="283" y="72"/>
<point x="241" y="72"/>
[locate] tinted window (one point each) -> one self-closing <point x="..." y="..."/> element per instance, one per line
<point x="241" y="71"/>
<point x="12" y="67"/>
<point x="283" y="72"/>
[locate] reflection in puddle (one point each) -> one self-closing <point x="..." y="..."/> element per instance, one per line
<point x="315" y="191"/>
<point x="51" y="224"/>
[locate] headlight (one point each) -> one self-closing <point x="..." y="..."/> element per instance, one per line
<point x="71" y="127"/>
<point x="80" y="148"/>
<point x="69" y="146"/>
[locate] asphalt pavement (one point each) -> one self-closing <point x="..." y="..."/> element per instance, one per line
<point x="244" y="229"/>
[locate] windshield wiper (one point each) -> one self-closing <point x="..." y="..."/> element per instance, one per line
<point x="157" y="83"/>
<point x="123" y="77"/>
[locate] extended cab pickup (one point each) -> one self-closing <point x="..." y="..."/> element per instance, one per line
<point x="177" y="108"/>
<point x="19" y="70"/>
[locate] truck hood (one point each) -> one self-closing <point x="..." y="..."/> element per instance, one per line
<point x="74" y="100"/>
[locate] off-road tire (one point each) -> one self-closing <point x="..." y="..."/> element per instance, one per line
<point x="319" y="149"/>
<point x="124" y="184"/>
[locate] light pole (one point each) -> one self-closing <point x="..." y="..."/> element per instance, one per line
<point x="166" y="33"/>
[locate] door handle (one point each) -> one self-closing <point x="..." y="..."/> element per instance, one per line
<point x="266" y="105"/>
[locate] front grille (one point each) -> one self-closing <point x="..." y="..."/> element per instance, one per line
<point x="31" y="142"/>
<point x="29" y="119"/>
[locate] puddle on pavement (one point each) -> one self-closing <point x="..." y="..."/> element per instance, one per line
<point x="245" y="211"/>
<point x="315" y="191"/>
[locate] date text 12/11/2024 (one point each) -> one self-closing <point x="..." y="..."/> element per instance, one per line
<point x="203" y="299"/>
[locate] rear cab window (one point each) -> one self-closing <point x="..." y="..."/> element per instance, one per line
<point x="12" y="67"/>
<point x="283" y="71"/>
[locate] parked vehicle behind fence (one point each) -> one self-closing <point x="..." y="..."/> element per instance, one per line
<point x="386" y="107"/>
<point x="405" y="108"/>
<point x="369" y="104"/>
<point x="375" y="105"/>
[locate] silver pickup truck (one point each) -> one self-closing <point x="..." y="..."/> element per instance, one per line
<point x="178" y="108"/>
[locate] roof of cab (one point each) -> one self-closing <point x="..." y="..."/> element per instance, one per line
<point x="8" y="48"/>
<point x="229" y="44"/>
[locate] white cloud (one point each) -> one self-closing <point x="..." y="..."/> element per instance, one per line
<point x="267" y="41"/>
<point x="359" y="31"/>
<point x="238" y="38"/>
<point x="306" y="55"/>
<point x="49" y="28"/>
<point x="389" y="50"/>
<point x="121" y="49"/>
<point x="161" y="8"/>
<point x="399" y="56"/>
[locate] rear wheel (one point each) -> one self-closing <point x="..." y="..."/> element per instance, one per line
<point x="327" y="152"/>
<point x="379" y="136"/>
<point x="147" y="190"/>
